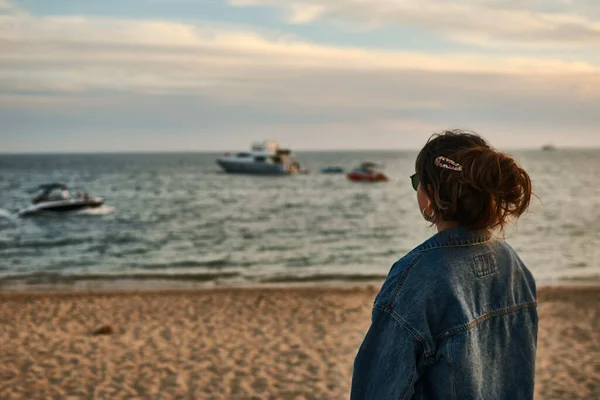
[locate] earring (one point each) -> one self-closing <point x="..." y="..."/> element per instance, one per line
<point x="428" y="217"/>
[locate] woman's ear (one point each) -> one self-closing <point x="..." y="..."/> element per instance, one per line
<point x="429" y="200"/>
<point x="424" y="201"/>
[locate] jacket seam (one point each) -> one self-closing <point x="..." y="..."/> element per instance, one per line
<point x="415" y="336"/>
<point x="400" y="283"/>
<point x="452" y="373"/>
<point x="413" y="332"/>
<point x="485" y="317"/>
<point x="408" y="384"/>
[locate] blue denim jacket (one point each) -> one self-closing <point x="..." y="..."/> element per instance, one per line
<point x="455" y="319"/>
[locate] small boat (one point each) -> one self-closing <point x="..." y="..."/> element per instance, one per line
<point x="367" y="172"/>
<point x="55" y="198"/>
<point x="264" y="158"/>
<point x="332" y="170"/>
<point x="548" y="147"/>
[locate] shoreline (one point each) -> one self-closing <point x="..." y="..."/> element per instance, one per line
<point x="544" y="293"/>
<point x="162" y="284"/>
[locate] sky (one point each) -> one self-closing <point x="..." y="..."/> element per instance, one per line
<point x="205" y="75"/>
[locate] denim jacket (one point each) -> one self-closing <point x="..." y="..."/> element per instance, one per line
<point x="456" y="318"/>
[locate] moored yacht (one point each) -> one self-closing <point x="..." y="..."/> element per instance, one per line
<point x="264" y="158"/>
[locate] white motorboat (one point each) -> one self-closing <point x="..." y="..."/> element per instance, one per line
<point x="55" y="198"/>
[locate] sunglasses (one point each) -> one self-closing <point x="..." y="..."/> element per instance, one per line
<point x="414" y="179"/>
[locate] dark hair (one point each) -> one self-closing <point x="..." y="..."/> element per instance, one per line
<point x="490" y="190"/>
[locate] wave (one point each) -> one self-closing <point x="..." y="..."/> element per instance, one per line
<point x="324" y="278"/>
<point x="7" y="216"/>
<point x="56" y="278"/>
<point x="51" y="278"/>
<point x="37" y="244"/>
<point x="221" y="262"/>
<point x="590" y="278"/>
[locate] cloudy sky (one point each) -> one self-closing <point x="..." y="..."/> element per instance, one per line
<point x="170" y="75"/>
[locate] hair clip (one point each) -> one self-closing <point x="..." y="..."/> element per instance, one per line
<point x="446" y="163"/>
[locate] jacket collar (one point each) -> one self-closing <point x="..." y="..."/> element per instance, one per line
<point x="460" y="236"/>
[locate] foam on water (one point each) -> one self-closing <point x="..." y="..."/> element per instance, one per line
<point x="7" y="216"/>
<point x="103" y="210"/>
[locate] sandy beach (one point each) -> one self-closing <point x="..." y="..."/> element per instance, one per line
<point x="277" y="343"/>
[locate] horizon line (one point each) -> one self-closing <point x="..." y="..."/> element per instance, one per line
<point x="388" y="150"/>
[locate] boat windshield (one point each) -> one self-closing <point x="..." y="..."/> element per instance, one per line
<point x="53" y="195"/>
<point x="368" y="167"/>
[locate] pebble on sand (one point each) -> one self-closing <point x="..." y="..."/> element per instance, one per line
<point x="104" y="330"/>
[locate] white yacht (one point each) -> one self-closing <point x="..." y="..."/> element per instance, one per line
<point x="264" y="158"/>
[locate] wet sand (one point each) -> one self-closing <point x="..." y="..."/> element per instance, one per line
<point x="282" y="343"/>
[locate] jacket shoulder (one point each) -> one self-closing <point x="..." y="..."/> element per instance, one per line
<point x="399" y="273"/>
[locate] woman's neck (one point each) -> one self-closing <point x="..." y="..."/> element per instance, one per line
<point x="443" y="225"/>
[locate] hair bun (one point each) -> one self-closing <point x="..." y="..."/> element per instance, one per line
<point x="489" y="191"/>
<point x="498" y="177"/>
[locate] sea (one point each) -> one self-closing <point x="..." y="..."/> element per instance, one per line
<point x="177" y="218"/>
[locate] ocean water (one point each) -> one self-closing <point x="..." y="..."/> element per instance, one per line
<point x="177" y="216"/>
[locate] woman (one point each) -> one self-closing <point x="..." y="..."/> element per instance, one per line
<point x="456" y="317"/>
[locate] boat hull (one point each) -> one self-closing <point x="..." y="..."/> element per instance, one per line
<point x="362" y="177"/>
<point x="254" y="168"/>
<point x="62" y="207"/>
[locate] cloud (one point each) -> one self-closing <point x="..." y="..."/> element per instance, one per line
<point x="95" y="74"/>
<point x="548" y="23"/>
<point x="78" y="54"/>
<point x="97" y="53"/>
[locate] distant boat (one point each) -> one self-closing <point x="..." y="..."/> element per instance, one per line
<point x="332" y="170"/>
<point x="55" y="198"/>
<point x="367" y="172"/>
<point x="548" y="147"/>
<point x="264" y="158"/>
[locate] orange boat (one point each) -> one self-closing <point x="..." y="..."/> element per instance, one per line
<point x="367" y="172"/>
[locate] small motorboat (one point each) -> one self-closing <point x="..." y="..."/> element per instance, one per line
<point x="55" y="198"/>
<point x="367" y="172"/>
<point x="332" y="170"/>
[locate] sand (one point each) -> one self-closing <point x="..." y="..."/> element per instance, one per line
<point x="284" y="343"/>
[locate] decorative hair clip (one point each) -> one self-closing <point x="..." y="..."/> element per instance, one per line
<point x="446" y="163"/>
